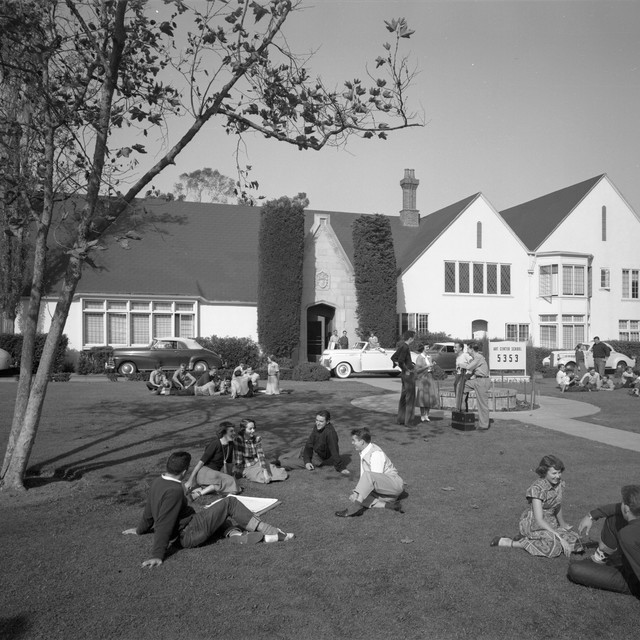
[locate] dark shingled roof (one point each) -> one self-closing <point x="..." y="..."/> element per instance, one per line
<point x="211" y="250"/>
<point x="534" y="221"/>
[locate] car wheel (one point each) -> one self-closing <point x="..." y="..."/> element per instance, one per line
<point x="200" y="366"/>
<point x="622" y="365"/>
<point x="571" y="365"/>
<point x="127" y="368"/>
<point x="343" y="370"/>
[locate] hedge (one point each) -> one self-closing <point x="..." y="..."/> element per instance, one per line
<point x="12" y="342"/>
<point x="233" y="351"/>
<point x="310" y="372"/>
<point x="93" y="360"/>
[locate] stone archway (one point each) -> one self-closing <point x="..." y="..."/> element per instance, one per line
<point x="320" y="321"/>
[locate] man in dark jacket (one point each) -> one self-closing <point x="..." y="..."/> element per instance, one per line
<point x="171" y="519"/>
<point x="600" y="353"/>
<point x="321" y="448"/>
<point x="402" y="358"/>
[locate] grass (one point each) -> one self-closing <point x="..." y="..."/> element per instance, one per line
<point x="69" y="573"/>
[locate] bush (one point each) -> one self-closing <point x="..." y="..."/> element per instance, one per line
<point x="310" y="372"/>
<point x="12" y="342"/>
<point x="430" y="338"/>
<point x="93" y="360"/>
<point x="233" y="351"/>
<point x="60" y="377"/>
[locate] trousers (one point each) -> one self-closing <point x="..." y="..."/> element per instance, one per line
<point x="293" y="459"/>
<point x="226" y="512"/>
<point x="379" y="484"/>
<point x="223" y="482"/>
<point x="406" y="404"/>
<point x="481" y="388"/>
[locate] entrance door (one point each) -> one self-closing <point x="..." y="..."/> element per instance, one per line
<point x="319" y="326"/>
<point x="314" y="340"/>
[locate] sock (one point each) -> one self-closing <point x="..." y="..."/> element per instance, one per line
<point x="505" y="542"/>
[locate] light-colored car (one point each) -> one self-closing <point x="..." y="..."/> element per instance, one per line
<point x="358" y="359"/>
<point x="567" y="357"/>
<point x="168" y="352"/>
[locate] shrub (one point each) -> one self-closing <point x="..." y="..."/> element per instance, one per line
<point x="430" y="338"/>
<point x="233" y="351"/>
<point x="12" y="343"/>
<point x="281" y="256"/>
<point x="310" y="372"/>
<point x="93" y="360"/>
<point x="376" y="278"/>
<point x="60" y="377"/>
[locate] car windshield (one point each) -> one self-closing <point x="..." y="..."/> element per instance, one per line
<point x="360" y="345"/>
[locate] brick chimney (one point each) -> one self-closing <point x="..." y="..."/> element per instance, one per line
<point x="409" y="216"/>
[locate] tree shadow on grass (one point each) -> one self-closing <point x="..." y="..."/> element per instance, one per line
<point x="15" y="627"/>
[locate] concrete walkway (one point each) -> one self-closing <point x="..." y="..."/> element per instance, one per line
<point x="557" y="414"/>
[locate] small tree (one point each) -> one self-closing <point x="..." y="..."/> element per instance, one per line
<point x="376" y="278"/>
<point x="280" y="260"/>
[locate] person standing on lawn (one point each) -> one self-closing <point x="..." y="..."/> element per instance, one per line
<point x="463" y="358"/>
<point x="479" y="382"/>
<point x="321" y="448"/>
<point x="600" y="352"/>
<point x="380" y="485"/>
<point x="615" y="565"/>
<point x="402" y="358"/>
<point x="168" y="515"/>
<point x="213" y="472"/>
<point x="543" y="530"/>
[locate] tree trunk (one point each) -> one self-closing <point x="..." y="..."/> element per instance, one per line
<point x="17" y="465"/>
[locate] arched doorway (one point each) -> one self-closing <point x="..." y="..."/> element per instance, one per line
<point x="319" y="327"/>
<point x="479" y="329"/>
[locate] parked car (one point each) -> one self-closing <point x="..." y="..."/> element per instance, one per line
<point x="567" y="357"/>
<point x="443" y="354"/>
<point x="5" y="359"/>
<point x="358" y="359"/>
<point x="168" y="352"/>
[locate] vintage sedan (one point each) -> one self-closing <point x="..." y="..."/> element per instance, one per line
<point x="360" y="358"/>
<point x="167" y="352"/>
<point x="444" y="355"/>
<point x="567" y="357"/>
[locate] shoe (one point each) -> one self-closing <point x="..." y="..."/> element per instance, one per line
<point x="346" y="514"/>
<point x="281" y="536"/>
<point x="345" y="472"/>
<point x="482" y="428"/>
<point x="599" y="557"/>
<point x="394" y="506"/>
<point x="251" y="537"/>
<point x="501" y="541"/>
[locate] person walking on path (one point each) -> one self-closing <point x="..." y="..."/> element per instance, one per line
<point x="402" y="358"/>
<point x="600" y="352"/>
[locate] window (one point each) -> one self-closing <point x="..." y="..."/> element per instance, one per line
<point x="418" y="322"/>
<point x="463" y="277"/>
<point x="516" y="332"/>
<point x="573" y="330"/>
<point x="135" y="322"/>
<point x="492" y="279"/>
<point x="630" y="283"/>
<point x="605" y="279"/>
<point x="480" y="277"/>
<point x="549" y="331"/>
<point x="604" y="224"/>
<point x="572" y="280"/>
<point x="479" y="235"/>
<point x="629" y="330"/>
<point x="450" y="277"/>
<point x="548" y="283"/>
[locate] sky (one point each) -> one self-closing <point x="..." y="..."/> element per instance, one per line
<point x="519" y="98"/>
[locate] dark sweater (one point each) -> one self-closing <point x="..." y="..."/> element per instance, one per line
<point x="165" y="513"/>
<point x="325" y="444"/>
<point x="214" y="455"/>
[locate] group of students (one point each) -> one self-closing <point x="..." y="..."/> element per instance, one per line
<point x="243" y="383"/>
<point x="544" y="532"/>
<point x="230" y="456"/>
<point x="592" y="380"/>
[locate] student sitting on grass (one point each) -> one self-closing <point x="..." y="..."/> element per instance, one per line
<point x="591" y="380"/>
<point x="158" y="382"/>
<point x="628" y="377"/>
<point x="564" y="379"/>
<point x="543" y="530"/>
<point x="607" y="384"/>
<point x="171" y="519"/>
<point x="615" y="565"/>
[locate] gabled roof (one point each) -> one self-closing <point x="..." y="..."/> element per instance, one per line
<point x="535" y="221"/>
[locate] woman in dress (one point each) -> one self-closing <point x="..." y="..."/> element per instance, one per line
<point x="273" y="377"/>
<point x="427" y="389"/>
<point x="249" y="460"/>
<point x="543" y="530"/>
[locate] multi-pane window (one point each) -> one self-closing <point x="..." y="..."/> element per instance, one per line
<point x="572" y="280"/>
<point x="605" y="279"/>
<point x="135" y="322"/>
<point x="629" y="330"/>
<point x="418" y="322"/>
<point x="573" y="330"/>
<point x="516" y="332"/>
<point x="630" y="283"/>
<point x="549" y="331"/>
<point x="548" y="280"/>
<point x="478" y="277"/>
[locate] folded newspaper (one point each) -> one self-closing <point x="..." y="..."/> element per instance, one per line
<point x="257" y="505"/>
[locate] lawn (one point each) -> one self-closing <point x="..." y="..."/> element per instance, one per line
<point x="428" y="573"/>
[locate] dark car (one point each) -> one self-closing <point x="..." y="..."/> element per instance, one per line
<point x="443" y="354"/>
<point x="167" y="352"/>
